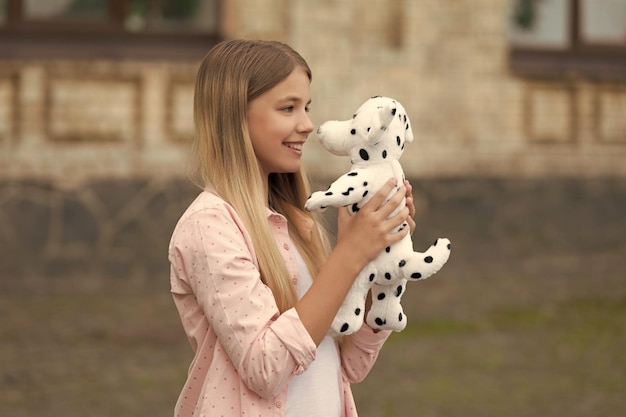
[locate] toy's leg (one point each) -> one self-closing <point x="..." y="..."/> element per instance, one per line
<point x="386" y="311"/>
<point x="349" y="318"/>
<point x="422" y="265"/>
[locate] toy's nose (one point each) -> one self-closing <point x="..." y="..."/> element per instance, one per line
<point x="319" y="130"/>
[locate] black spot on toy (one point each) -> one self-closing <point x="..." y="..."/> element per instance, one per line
<point x="399" y="291"/>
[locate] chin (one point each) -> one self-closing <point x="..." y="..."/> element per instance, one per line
<point x="290" y="170"/>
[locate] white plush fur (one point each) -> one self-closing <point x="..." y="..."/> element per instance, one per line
<point x="374" y="139"/>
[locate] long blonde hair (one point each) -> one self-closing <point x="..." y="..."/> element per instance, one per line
<point x="231" y="75"/>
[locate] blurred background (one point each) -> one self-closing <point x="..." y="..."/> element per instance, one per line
<point x="519" y="113"/>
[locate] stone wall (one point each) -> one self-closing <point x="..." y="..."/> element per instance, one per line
<point x="112" y="235"/>
<point x="116" y="230"/>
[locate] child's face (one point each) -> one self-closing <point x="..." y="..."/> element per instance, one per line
<point x="278" y="123"/>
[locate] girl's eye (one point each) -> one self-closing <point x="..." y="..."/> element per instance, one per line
<point x="291" y="109"/>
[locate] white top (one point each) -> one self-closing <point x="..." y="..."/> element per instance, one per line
<point x="315" y="392"/>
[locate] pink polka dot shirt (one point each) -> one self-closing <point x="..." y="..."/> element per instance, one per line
<point x="245" y="351"/>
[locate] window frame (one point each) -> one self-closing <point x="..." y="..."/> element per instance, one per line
<point x="597" y="61"/>
<point x="73" y="39"/>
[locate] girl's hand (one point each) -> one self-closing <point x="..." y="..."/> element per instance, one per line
<point x="410" y="205"/>
<point x="368" y="232"/>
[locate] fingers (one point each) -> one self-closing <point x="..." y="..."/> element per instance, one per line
<point x="409" y="198"/>
<point x="379" y="198"/>
<point x="343" y="216"/>
<point x="371" y="228"/>
<point x="410" y="203"/>
<point x="397" y="219"/>
<point x="389" y="213"/>
<point x="393" y="204"/>
<point x="412" y="224"/>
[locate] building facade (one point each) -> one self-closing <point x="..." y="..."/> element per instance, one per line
<point x="96" y="104"/>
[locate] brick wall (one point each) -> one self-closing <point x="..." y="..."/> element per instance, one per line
<point x="75" y="121"/>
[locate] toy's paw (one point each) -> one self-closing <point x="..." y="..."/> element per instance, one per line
<point x="441" y="249"/>
<point x="442" y="241"/>
<point x="395" y="324"/>
<point x="317" y="201"/>
<point x="350" y="316"/>
<point x="423" y="265"/>
<point x="346" y="322"/>
<point x="386" y="312"/>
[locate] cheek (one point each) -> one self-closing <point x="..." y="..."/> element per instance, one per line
<point x="270" y="132"/>
<point x="257" y="129"/>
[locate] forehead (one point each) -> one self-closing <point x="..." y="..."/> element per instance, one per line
<point x="296" y="86"/>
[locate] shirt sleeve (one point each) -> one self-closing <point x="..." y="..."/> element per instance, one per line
<point x="359" y="352"/>
<point x="266" y="347"/>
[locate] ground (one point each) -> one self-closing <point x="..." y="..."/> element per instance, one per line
<point x="528" y="318"/>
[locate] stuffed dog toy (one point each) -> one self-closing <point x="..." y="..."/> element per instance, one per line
<point x="374" y="139"/>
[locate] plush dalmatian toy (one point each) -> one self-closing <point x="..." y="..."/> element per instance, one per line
<point x="374" y="139"/>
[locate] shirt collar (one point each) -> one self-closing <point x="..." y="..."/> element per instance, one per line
<point x="303" y="223"/>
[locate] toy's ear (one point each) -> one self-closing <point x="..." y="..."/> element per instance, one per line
<point x="408" y="132"/>
<point x="380" y="122"/>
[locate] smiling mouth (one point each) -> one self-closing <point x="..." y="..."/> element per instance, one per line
<point x="294" y="146"/>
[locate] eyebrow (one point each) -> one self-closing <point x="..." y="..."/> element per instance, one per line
<point x="294" y="98"/>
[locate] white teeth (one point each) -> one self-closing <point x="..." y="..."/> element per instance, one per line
<point x="296" y="146"/>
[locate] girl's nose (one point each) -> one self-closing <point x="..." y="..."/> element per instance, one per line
<point x="305" y="125"/>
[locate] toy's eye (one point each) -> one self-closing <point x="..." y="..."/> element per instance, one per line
<point x="354" y="116"/>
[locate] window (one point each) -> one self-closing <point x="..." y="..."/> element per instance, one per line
<point x="118" y="28"/>
<point x="63" y="10"/>
<point x="568" y="38"/>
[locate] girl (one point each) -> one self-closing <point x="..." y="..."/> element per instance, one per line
<point x="252" y="276"/>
